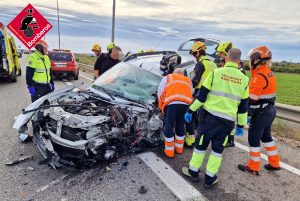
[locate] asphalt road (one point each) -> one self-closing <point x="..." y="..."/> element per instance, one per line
<point x="30" y="181"/>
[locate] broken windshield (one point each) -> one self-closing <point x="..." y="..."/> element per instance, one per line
<point x="129" y="81"/>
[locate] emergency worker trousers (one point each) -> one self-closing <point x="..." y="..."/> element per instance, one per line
<point x="40" y="90"/>
<point x="260" y="130"/>
<point x="190" y="127"/>
<point x="174" y="118"/>
<point x="215" y="130"/>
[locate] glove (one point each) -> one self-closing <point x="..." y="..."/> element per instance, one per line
<point x="31" y="90"/>
<point x="52" y="87"/>
<point x="188" y="117"/>
<point x="239" y="131"/>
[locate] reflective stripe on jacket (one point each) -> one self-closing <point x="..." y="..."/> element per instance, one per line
<point x="228" y="86"/>
<point x="178" y="88"/>
<point x="263" y="85"/>
<point x="41" y="64"/>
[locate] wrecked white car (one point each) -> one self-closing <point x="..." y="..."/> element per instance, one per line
<point x="117" y="115"/>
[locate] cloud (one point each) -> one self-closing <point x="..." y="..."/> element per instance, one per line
<point x="92" y="21"/>
<point x="142" y="24"/>
<point x="55" y="18"/>
<point x="146" y="3"/>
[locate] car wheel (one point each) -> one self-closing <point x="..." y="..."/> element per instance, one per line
<point x="13" y="76"/>
<point x="76" y="76"/>
<point x="20" y="72"/>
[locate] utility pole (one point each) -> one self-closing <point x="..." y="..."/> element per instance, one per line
<point x="113" y="22"/>
<point x="58" y="25"/>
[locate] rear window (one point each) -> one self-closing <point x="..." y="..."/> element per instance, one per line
<point x="60" y="56"/>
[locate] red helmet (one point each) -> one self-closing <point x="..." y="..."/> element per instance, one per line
<point x="42" y="43"/>
<point x="258" y="55"/>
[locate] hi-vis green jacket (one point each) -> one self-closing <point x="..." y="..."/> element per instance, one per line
<point x="202" y="69"/>
<point x="38" y="69"/>
<point x="225" y="94"/>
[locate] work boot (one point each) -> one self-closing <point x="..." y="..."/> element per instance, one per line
<point x="185" y="172"/>
<point x="230" y="142"/>
<point x="169" y="153"/>
<point x="210" y="181"/>
<point x="245" y="168"/>
<point x="189" y="140"/>
<point x="271" y="168"/>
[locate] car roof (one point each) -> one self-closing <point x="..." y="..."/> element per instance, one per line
<point x="151" y="62"/>
<point x="61" y="51"/>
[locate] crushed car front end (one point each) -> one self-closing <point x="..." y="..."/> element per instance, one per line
<point x="76" y="129"/>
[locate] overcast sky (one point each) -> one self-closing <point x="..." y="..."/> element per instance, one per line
<point x="165" y="24"/>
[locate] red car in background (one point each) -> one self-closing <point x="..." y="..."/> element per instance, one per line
<point x="63" y="63"/>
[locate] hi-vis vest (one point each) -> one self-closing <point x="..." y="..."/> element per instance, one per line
<point x="228" y="86"/>
<point x="178" y="88"/>
<point x="209" y="66"/>
<point x="263" y="85"/>
<point x="41" y="64"/>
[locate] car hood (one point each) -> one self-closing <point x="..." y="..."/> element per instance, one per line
<point x="23" y="119"/>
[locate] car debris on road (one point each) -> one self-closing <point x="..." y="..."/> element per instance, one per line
<point x="78" y="129"/>
<point x="20" y="160"/>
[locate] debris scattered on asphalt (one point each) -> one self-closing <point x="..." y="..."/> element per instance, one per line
<point x="24" y="137"/>
<point x="124" y="166"/>
<point x="14" y="162"/>
<point x="108" y="169"/>
<point x="30" y="168"/>
<point x="20" y="169"/>
<point x="142" y="190"/>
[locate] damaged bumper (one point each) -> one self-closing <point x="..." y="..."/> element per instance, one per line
<point x="23" y="119"/>
<point x="87" y="129"/>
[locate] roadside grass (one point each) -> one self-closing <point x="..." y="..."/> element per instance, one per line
<point x="288" y="88"/>
<point x="282" y="129"/>
<point x="85" y="59"/>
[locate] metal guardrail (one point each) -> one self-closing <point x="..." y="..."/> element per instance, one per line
<point x="285" y="112"/>
<point x="86" y="65"/>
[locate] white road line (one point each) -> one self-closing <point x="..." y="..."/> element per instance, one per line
<point x="263" y="156"/>
<point x="68" y="83"/>
<point x="43" y="188"/>
<point x="181" y="188"/>
<point x="86" y="77"/>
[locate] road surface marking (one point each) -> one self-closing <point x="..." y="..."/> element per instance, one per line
<point x="43" y="188"/>
<point x="263" y="156"/>
<point x="68" y="83"/>
<point x="86" y="77"/>
<point x="180" y="187"/>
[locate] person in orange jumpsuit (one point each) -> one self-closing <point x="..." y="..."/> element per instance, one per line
<point x="261" y="111"/>
<point x="175" y="95"/>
